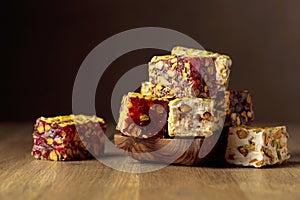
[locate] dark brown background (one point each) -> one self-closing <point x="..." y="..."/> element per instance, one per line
<point x="44" y="42"/>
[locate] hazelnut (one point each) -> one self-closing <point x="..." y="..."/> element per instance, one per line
<point x="185" y="108"/>
<point x="207" y="116"/>
<point x="242" y="134"/>
<point x="243" y="150"/>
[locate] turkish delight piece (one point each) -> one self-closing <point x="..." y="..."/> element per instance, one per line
<point x="143" y="116"/>
<point x="254" y="146"/>
<point x="239" y="108"/>
<point x="68" y="137"/>
<point x="220" y="63"/>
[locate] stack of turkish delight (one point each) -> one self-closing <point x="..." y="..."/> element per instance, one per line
<point x="187" y="96"/>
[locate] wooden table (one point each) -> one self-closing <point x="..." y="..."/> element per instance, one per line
<point x="23" y="177"/>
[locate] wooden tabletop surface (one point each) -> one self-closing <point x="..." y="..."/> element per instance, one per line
<point x="23" y="177"/>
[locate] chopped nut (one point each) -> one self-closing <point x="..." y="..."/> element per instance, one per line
<point x="278" y="134"/>
<point x="207" y="116"/>
<point x="210" y="70"/>
<point x="243" y="150"/>
<point x="242" y="134"/>
<point x="233" y="116"/>
<point x="174" y="60"/>
<point x="244" y="114"/>
<point x="174" y="90"/>
<point x="238" y="121"/>
<point x="47" y="127"/>
<point x="144" y="117"/>
<point x="274" y="144"/>
<point x="249" y="99"/>
<point x="197" y="92"/>
<point x="158" y="87"/>
<point x="250" y="146"/>
<point x="171" y="73"/>
<point x="249" y="114"/>
<point x="187" y="65"/>
<point x="260" y="163"/>
<point x="268" y="152"/>
<point x="59" y="141"/>
<point x="174" y="66"/>
<point x="59" y="155"/>
<point x="53" y="155"/>
<point x="207" y="62"/>
<point x="63" y="134"/>
<point x="205" y="89"/>
<point x="129" y="104"/>
<point x="49" y="141"/>
<point x="159" y="65"/>
<point x="185" y="108"/>
<point x="253" y="160"/>
<point x="163" y="80"/>
<point x="40" y="129"/>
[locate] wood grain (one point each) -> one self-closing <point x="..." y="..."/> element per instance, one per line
<point x="23" y="177"/>
<point x="161" y="150"/>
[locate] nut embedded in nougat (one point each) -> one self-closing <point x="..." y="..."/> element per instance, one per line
<point x="191" y="117"/>
<point x="254" y="146"/>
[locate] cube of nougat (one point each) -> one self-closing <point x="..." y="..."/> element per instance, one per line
<point x="222" y="63"/>
<point x="254" y="146"/>
<point x="143" y="116"/>
<point x="194" y="117"/>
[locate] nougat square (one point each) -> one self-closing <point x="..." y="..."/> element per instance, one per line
<point x="186" y="75"/>
<point x="143" y="116"/>
<point x="68" y="137"/>
<point x="221" y="64"/>
<point x="256" y="146"/>
<point x="191" y="117"/>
